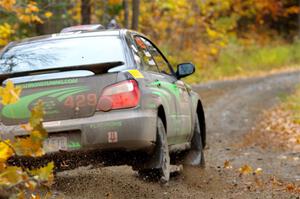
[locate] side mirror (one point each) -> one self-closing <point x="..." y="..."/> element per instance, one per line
<point x="184" y="69"/>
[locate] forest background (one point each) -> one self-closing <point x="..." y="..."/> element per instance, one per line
<point x="223" y="38"/>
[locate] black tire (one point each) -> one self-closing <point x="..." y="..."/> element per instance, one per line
<point x="195" y="155"/>
<point x="162" y="172"/>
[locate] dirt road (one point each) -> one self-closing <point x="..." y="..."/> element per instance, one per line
<point x="232" y="109"/>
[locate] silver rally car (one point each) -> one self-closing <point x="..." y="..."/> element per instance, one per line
<point x="105" y="90"/>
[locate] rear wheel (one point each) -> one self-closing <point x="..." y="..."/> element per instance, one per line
<point x="162" y="153"/>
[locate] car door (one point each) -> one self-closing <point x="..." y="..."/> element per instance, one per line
<point x="157" y="84"/>
<point x="178" y="91"/>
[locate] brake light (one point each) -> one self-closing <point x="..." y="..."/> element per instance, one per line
<point x="125" y="94"/>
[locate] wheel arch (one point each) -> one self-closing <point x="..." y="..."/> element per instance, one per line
<point x="162" y="114"/>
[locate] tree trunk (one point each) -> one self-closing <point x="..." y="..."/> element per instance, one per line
<point x="135" y="14"/>
<point x="299" y="21"/>
<point x="85" y="11"/>
<point x="126" y="13"/>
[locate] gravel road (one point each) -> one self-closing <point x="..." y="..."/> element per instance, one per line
<point x="232" y="108"/>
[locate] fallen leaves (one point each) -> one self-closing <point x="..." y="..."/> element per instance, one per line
<point x="253" y="180"/>
<point x="227" y="165"/>
<point x="281" y="186"/>
<point x="277" y="130"/>
<point x="245" y="170"/>
<point x="258" y="171"/>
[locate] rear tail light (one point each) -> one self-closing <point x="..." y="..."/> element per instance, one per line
<point x="125" y="94"/>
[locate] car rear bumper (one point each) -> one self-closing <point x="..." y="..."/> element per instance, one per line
<point x="131" y="129"/>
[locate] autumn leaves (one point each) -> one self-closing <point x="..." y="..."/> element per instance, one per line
<point x="15" y="14"/>
<point x="22" y="181"/>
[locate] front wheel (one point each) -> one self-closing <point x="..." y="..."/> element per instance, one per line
<point x="195" y="155"/>
<point x="161" y="154"/>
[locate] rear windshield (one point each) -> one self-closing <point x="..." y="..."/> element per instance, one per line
<point x="62" y="53"/>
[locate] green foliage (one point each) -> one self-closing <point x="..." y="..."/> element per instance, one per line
<point x="292" y="103"/>
<point x="238" y="60"/>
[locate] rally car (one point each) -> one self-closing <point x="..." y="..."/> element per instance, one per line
<point x="105" y="89"/>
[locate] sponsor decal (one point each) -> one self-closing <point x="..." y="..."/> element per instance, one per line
<point x="49" y="83"/>
<point x="21" y="109"/>
<point x="136" y="73"/>
<point x="106" y="125"/>
<point x="74" y="145"/>
<point x="52" y="124"/>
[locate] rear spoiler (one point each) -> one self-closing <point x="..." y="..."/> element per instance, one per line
<point x="99" y="68"/>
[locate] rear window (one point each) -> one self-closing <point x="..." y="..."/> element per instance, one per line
<point x="62" y="53"/>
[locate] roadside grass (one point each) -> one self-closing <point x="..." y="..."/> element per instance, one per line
<point x="237" y="61"/>
<point x="292" y="103"/>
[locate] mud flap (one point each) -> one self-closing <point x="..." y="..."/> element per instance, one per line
<point x="195" y="156"/>
<point x="156" y="159"/>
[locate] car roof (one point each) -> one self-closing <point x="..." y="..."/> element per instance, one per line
<point x="79" y="34"/>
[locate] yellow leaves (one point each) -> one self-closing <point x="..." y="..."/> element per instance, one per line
<point x="11" y="175"/>
<point x="31" y="18"/>
<point x="292" y="10"/>
<point x="5" y="151"/>
<point x="48" y="14"/>
<point x="214" y="51"/>
<point x="298" y="139"/>
<point x="6" y="31"/>
<point x="27" y="13"/>
<point x="44" y="174"/>
<point x="24" y="18"/>
<point x="35" y="196"/>
<point x="9" y="94"/>
<point x="258" y="171"/>
<point x="21" y="195"/>
<point x="211" y="33"/>
<point x="32" y="145"/>
<point x="31" y="7"/>
<point x="114" y="2"/>
<point x="31" y="185"/>
<point x="37" y="115"/>
<point x="245" y="170"/>
<point x="7" y="4"/>
<point x="2" y="166"/>
<point x="28" y="147"/>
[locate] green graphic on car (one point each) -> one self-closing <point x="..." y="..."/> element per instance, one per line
<point x="21" y="109"/>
